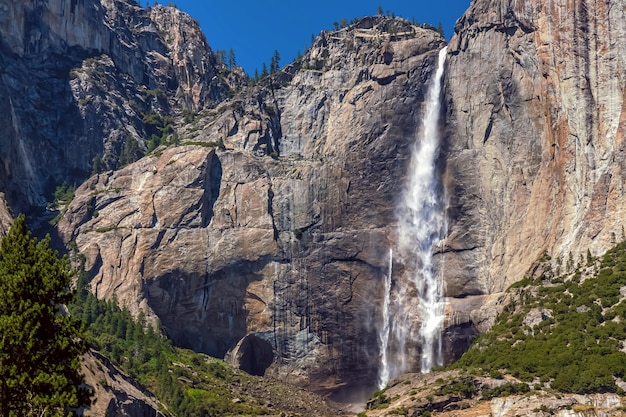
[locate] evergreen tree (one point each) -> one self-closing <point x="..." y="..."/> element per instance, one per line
<point x="275" y="62"/>
<point x="231" y="59"/>
<point x="263" y="70"/>
<point x="220" y="56"/>
<point x="440" y="29"/>
<point x="40" y="346"/>
<point x="131" y="151"/>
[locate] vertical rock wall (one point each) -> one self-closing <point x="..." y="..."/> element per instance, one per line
<point x="535" y="127"/>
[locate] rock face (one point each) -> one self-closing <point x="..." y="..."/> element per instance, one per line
<point x="271" y="227"/>
<point x="115" y="394"/>
<point x="82" y="79"/>
<point x="535" y="127"/>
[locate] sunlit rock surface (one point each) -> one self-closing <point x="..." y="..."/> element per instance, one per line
<point x="281" y="232"/>
<point x="535" y="129"/>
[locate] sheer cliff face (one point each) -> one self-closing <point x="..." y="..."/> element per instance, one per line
<point x="282" y="234"/>
<point x="78" y="78"/>
<point x="536" y="122"/>
<point x="267" y="230"/>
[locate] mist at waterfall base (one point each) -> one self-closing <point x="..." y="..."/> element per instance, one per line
<point x="413" y="306"/>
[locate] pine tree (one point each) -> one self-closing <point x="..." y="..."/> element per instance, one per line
<point x="275" y="62"/>
<point x="232" y="62"/>
<point x="40" y="346"/>
<point x="440" y="29"/>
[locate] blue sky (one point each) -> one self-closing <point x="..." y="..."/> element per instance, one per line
<point x="254" y="29"/>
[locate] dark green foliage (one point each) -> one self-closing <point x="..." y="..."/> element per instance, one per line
<point x="578" y="349"/>
<point x="506" y="389"/>
<point x="440" y="29"/>
<point x="231" y="59"/>
<point x="189" y="115"/>
<point x="379" y="400"/>
<point x="463" y="388"/>
<point x="220" y="56"/>
<point x="158" y="125"/>
<point x="64" y="194"/>
<point x="130" y="152"/>
<point x="275" y="63"/>
<point x="40" y="347"/>
<point x="97" y="165"/>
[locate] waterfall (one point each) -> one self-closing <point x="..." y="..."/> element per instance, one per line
<point x="421" y="227"/>
<point x="383" y="334"/>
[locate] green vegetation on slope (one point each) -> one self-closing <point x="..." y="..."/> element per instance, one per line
<point x="567" y="330"/>
<point x="190" y="384"/>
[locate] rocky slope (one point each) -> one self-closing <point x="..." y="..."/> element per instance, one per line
<point x="535" y="127"/>
<point x="279" y="233"/>
<point x="452" y="394"/>
<point x="115" y="394"/>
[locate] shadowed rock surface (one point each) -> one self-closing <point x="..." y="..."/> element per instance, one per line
<point x="81" y="79"/>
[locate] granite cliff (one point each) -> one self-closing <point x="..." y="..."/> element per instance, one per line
<point x="81" y="80"/>
<point x="257" y="228"/>
<point x="535" y="128"/>
<point x="268" y="225"/>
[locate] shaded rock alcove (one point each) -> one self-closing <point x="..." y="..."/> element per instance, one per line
<point x="252" y="354"/>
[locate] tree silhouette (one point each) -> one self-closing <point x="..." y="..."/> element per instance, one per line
<point x="440" y="29"/>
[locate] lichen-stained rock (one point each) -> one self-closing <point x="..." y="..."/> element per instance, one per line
<point x="535" y="129"/>
<point x="273" y="219"/>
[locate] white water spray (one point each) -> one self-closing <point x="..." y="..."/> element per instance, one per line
<point x="421" y="227"/>
<point x="383" y="334"/>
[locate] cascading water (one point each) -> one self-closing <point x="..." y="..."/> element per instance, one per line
<point x="421" y="226"/>
<point x="383" y="334"/>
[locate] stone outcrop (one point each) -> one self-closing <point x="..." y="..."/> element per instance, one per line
<point x="116" y="394"/>
<point x="535" y="128"/>
<point x="270" y="224"/>
<point x="423" y="393"/>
